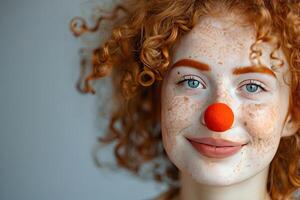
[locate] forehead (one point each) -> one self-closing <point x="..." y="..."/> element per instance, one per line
<point x="219" y="40"/>
<point x="225" y="27"/>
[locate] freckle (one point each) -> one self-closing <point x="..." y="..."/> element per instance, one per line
<point x="189" y="56"/>
<point x="220" y="63"/>
<point x="245" y="123"/>
<point x="186" y="99"/>
<point x="178" y="72"/>
<point x="251" y="115"/>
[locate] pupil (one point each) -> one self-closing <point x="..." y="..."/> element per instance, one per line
<point x="251" y="87"/>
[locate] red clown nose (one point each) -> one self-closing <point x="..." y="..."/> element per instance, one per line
<point x="218" y="117"/>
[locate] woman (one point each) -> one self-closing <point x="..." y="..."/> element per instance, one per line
<point x="207" y="91"/>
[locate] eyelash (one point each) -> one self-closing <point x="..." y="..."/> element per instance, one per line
<point x="248" y="82"/>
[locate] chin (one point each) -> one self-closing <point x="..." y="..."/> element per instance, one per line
<point x="217" y="181"/>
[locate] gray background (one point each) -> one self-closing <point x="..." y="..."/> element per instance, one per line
<point x="47" y="128"/>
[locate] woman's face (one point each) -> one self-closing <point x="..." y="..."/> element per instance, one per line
<point x="213" y="66"/>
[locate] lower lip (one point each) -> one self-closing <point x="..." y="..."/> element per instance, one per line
<point x="215" y="152"/>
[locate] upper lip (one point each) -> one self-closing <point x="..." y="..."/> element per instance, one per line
<point x="216" y="142"/>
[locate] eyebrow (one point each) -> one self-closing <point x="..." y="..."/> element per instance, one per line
<point x="253" y="69"/>
<point x="236" y="71"/>
<point x="192" y="63"/>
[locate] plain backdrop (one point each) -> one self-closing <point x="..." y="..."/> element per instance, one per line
<point x="48" y="129"/>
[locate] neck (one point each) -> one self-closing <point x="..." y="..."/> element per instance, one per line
<point x="252" y="188"/>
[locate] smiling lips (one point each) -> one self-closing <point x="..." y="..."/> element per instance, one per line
<point x="214" y="147"/>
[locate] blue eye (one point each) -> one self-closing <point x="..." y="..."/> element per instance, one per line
<point x="252" y="87"/>
<point x="193" y="83"/>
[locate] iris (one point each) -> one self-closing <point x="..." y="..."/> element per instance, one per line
<point x="193" y="83"/>
<point x="251" y="87"/>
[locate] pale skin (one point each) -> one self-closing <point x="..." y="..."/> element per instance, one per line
<point x="259" y="102"/>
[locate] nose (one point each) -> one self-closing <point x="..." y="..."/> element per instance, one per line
<point x="218" y="117"/>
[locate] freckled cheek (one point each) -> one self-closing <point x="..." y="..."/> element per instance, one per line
<point x="261" y="122"/>
<point x="180" y="113"/>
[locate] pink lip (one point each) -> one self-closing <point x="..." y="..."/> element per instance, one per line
<point x="214" y="147"/>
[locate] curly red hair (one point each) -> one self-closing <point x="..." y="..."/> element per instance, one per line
<point x="138" y="54"/>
